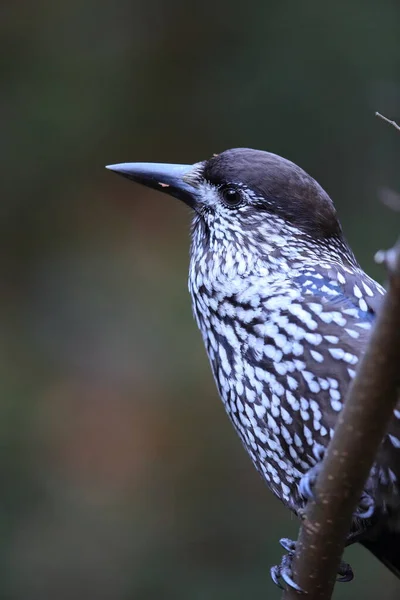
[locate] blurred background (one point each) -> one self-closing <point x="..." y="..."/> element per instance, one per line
<point x="121" y="477"/>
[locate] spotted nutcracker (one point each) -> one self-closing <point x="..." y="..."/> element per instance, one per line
<point x="285" y="312"/>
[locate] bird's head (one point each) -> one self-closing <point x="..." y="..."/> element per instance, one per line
<point x="252" y="199"/>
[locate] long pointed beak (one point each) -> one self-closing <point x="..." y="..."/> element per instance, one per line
<point x="174" y="180"/>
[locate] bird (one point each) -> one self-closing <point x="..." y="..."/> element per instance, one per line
<point x="285" y="312"/>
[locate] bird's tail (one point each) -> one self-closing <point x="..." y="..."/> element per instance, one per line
<point x="387" y="549"/>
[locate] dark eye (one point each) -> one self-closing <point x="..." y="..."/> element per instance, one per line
<point x="231" y="196"/>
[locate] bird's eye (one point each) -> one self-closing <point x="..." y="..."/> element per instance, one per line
<point x="232" y="196"/>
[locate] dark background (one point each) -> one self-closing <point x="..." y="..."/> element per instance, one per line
<point x="120" y="475"/>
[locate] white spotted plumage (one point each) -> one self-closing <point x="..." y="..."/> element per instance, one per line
<point x="286" y="332"/>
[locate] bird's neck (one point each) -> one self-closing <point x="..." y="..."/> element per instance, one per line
<point x="230" y="263"/>
<point x="222" y="269"/>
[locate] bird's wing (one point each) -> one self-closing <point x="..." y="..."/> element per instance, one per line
<point x="344" y="306"/>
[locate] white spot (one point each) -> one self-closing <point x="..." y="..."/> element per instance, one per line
<point x="260" y="410"/>
<point x="251" y="439"/>
<point x="249" y="370"/>
<point x="317" y="356"/>
<point x="272" y="424"/>
<point x="357" y="291"/>
<point x="267" y="329"/>
<point x="351" y="359"/>
<point x="368" y="290"/>
<point x="336" y="405"/>
<point x="274" y="410"/>
<point x="297" y="349"/>
<point x="395" y="441"/>
<point x="323" y="383"/>
<point x="249" y="411"/>
<point x="286" y="416"/>
<point x="336" y="353"/>
<point x="250" y="394"/>
<point x="245" y="421"/>
<point x="338" y="318"/>
<point x="261" y="452"/>
<point x="316" y="308"/>
<point x="260" y="434"/>
<point x="326" y="317"/>
<point x="258" y="386"/>
<point x="281" y="368"/>
<point x="304" y="404"/>
<point x="272" y="352"/>
<point x="313" y="338"/>
<point x="276" y="387"/>
<point x="308" y="434"/>
<point x="352" y="333"/>
<point x="335" y="394"/>
<point x="246" y="316"/>
<point x="311" y="382"/>
<point x="224" y="360"/>
<point x="363" y="324"/>
<point x="333" y="383"/>
<point x="351" y="312"/>
<point x="297" y="441"/>
<point x="294" y="331"/>
<point x="280" y="340"/>
<point x="294" y="403"/>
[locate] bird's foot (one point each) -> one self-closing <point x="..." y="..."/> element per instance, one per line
<point x="283" y="572"/>
<point x="345" y="572"/>
<point x="308" y="480"/>
<point x="365" y="508"/>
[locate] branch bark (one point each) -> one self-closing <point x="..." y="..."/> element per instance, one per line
<point x="351" y="452"/>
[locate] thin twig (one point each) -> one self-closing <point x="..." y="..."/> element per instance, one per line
<point x="393" y="123"/>
<point x="359" y="431"/>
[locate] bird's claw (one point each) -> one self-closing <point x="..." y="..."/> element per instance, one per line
<point x="345" y="572"/>
<point x="307" y="482"/>
<point x="283" y="571"/>
<point x="308" y="479"/>
<point x="365" y="508"/>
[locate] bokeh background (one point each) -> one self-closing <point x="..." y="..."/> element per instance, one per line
<point x="121" y="477"/>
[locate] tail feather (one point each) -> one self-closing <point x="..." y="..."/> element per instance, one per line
<point x="387" y="549"/>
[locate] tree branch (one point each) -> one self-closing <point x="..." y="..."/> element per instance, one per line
<point x="393" y="123"/>
<point x="359" y="431"/>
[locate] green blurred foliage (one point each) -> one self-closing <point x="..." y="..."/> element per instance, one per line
<point x="120" y="475"/>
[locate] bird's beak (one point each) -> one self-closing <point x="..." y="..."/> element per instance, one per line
<point x="176" y="180"/>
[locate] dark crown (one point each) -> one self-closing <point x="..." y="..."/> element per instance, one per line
<point x="283" y="188"/>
